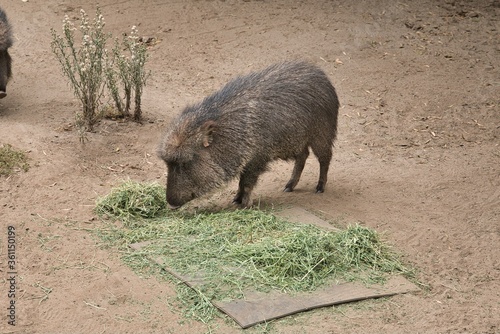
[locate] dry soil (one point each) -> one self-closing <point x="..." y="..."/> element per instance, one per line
<point x="417" y="157"/>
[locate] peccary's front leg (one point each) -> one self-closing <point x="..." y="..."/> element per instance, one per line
<point x="248" y="180"/>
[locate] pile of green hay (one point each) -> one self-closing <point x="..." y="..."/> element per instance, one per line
<point x="11" y="159"/>
<point x="242" y="250"/>
<point x="133" y="200"/>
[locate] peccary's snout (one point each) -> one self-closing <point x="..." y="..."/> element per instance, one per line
<point x="172" y="202"/>
<point x="176" y="200"/>
<point x="172" y="207"/>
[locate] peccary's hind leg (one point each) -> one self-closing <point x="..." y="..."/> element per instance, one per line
<point x="300" y="161"/>
<point x="248" y="180"/>
<point x="324" y="155"/>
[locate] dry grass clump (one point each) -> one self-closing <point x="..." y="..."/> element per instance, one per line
<point x="132" y="200"/>
<point x="11" y="159"/>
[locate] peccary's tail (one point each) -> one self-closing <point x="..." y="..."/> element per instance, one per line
<point x="5" y="32"/>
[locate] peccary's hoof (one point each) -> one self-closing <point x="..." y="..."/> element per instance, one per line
<point x="2" y="94"/>
<point x="243" y="202"/>
<point x="288" y="190"/>
<point x="242" y="205"/>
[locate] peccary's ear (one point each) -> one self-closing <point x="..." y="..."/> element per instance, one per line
<point x="207" y="130"/>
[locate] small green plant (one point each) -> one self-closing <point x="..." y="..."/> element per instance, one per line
<point x="85" y="65"/>
<point x="138" y="57"/>
<point x="131" y="72"/>
<point x="11" y="159"/>
<point x="90" y="69"/>
<point x="112" y="82"/>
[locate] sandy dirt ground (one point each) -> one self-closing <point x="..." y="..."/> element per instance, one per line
<point x="417" y="157"/>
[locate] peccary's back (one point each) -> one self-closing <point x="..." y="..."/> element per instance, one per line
<point x="278" y="110"/>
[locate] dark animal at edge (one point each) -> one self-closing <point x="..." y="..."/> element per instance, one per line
<point x="5" y="60"/>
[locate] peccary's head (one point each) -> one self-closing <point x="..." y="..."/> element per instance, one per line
<point x="189" y="155"/>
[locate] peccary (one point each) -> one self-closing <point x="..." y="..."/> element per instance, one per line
<point x="277" y="113"/>
<point x="5" y="60"/>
